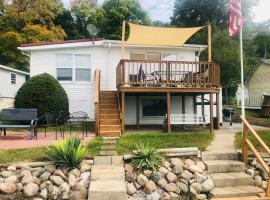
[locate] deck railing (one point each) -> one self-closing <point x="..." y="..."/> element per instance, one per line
<point x="247" y="144"/>
<point x="96" y="99"/>
<point x="145" y="73"/>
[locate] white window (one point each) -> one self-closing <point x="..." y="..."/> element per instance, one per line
<point x="13" y="78"/>
<point x="73" y="67"/>
<point x="82" y="67"/>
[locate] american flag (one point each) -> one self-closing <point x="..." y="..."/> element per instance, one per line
<point x="236" y="19"/>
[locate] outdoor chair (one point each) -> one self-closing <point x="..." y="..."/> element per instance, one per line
<point x="50" y="119"/>
<point x="77" y="120"/>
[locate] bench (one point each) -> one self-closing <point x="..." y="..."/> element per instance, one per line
<point x="185" y="119"/>
<point x="29" y="115"/>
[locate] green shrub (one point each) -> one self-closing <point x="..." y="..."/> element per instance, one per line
<point x="66" y="153"/>
<point x="44" y="93"/>
<point x="146" y="157"/>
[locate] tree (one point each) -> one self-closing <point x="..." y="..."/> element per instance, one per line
<point x="9" y="54"/>
<point x="18" y="13"/>
<point x="67" y="22"/>
<point x="116" y="11"/>
<point x="36" y="33"/>
<point x="83" y="11"/>
<point x="42" y="92"/>
<point x="200" y="12"/>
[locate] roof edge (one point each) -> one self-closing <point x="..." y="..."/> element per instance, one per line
<point x="14" y="70"/>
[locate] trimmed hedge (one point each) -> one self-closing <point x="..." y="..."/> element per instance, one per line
<point x="44" y="93"/>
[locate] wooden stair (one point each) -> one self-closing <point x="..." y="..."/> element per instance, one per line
<point x="109" y="125"/>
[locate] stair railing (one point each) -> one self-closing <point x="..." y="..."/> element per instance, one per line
<point x="96" y="99"/>
<point x="248" y="145"/>
<point x="119" y="111"/>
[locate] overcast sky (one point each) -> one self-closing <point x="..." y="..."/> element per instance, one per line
<point x="162" y="10"/>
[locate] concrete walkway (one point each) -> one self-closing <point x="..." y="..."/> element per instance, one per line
<point x="224" y="138"/>
<point x="108" y="179"/>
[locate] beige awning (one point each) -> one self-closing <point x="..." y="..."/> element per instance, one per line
<point x="159" y="36"/>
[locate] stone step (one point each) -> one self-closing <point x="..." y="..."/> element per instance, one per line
<point x="108" y="147"/>
<point x="220" y="156"/>
<point x="242" y="198"/>
<point x="236" y="191"/>
<point x="231" y="179"/>
<point x="223" y="166"/>
<point x="102" y="160"/>
<point x="107" y="183"/>
<point x="107" y="141"/>
<point x="108" y="153"/>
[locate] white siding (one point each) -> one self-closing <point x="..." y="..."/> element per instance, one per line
<point x="6" y="88"/>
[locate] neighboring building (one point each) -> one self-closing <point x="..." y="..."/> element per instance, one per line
<point x="10" y="82"/>
<point x="256" y="85"/>
<point x="75" y="62"/>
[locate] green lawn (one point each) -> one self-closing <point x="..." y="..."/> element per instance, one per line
<point x="21" y="155"/>
<point x="159" y="139"/>
<point x="94" y="146"/>
<point x="37" y="154"/>
<point x="252" y="115"/>
<point x="265" y="135"/>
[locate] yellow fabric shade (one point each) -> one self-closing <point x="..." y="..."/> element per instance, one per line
<point x="159" y="36"/>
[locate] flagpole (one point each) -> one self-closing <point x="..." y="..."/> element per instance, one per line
<point x="242" y="72"/>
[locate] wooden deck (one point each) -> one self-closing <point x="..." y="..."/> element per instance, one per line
<point x="167" y="76"/>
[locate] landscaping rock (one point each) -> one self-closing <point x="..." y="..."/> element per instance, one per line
<point x="129" y="168"/>
<point x="258" y="180"/>
<point x="171" y="177"/>
<point x="38" y="172"/>
<point x="8" y="188"/>
<point x="64" y="187"/>
<point x="147" y="173"/>
<point x="183" y="187"/>
<point x="186" y="175"/>
<point x="12" y="179"/>
<point x="75" y="172"/>
<point x="76" y="195"/>
<point x="11" y="168"/>
<point x="201" y="165"/>
<point x="195" y="168"/>
<point x="6" y="174"/>
<point x="131" y="177"/>
<point x="30" y="190"/>
<point x="72" y="180"/>
<point x="27" y="179"/>
<point x="26" y="172"/>
<point x="131" y="189"/>
<point x="163" y="171"/>
<point x="150" y="187"/>
<point x="45" y="176"/>
<point x="251" y="172"/>
<point x="201" y="197"/>
<point x="85" y="167"/>
<point x="153" y="196"/>
<point x="177" y="169"/>
<point x="50" y="168"/>
<point x="162" y="183"/>
<point x="171" y="187"/>
<point x="197" y="187"/>
<point x="58" y="172"/>
<point x="142" y="179"/>
<point x="176" y="162"/>
<point x="156" y="176"/>
<point x="57" y="180"/>
<point x="189" y="162"/>
<point x="54" y="192"/>
<point x="44" y="193"/>
<point x="207" y="185"/>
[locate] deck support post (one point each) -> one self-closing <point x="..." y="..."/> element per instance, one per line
<point x="202" y="101"/>
<point x="211" y="113"/>
<point x="195" y="104"/>
<point x="123" y="111"/>
<point x="137" y="113"/>
<point x="218" y="110"/>
<point x="169" y="111"/>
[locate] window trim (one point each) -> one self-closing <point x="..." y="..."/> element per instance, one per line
<point x="12" y="73"/>
<point x="152" y="98"/>
<point x="73" y="68"/>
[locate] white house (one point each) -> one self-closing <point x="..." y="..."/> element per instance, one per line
<point x="10" y="81"/>
<point x="74" y="62"/>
